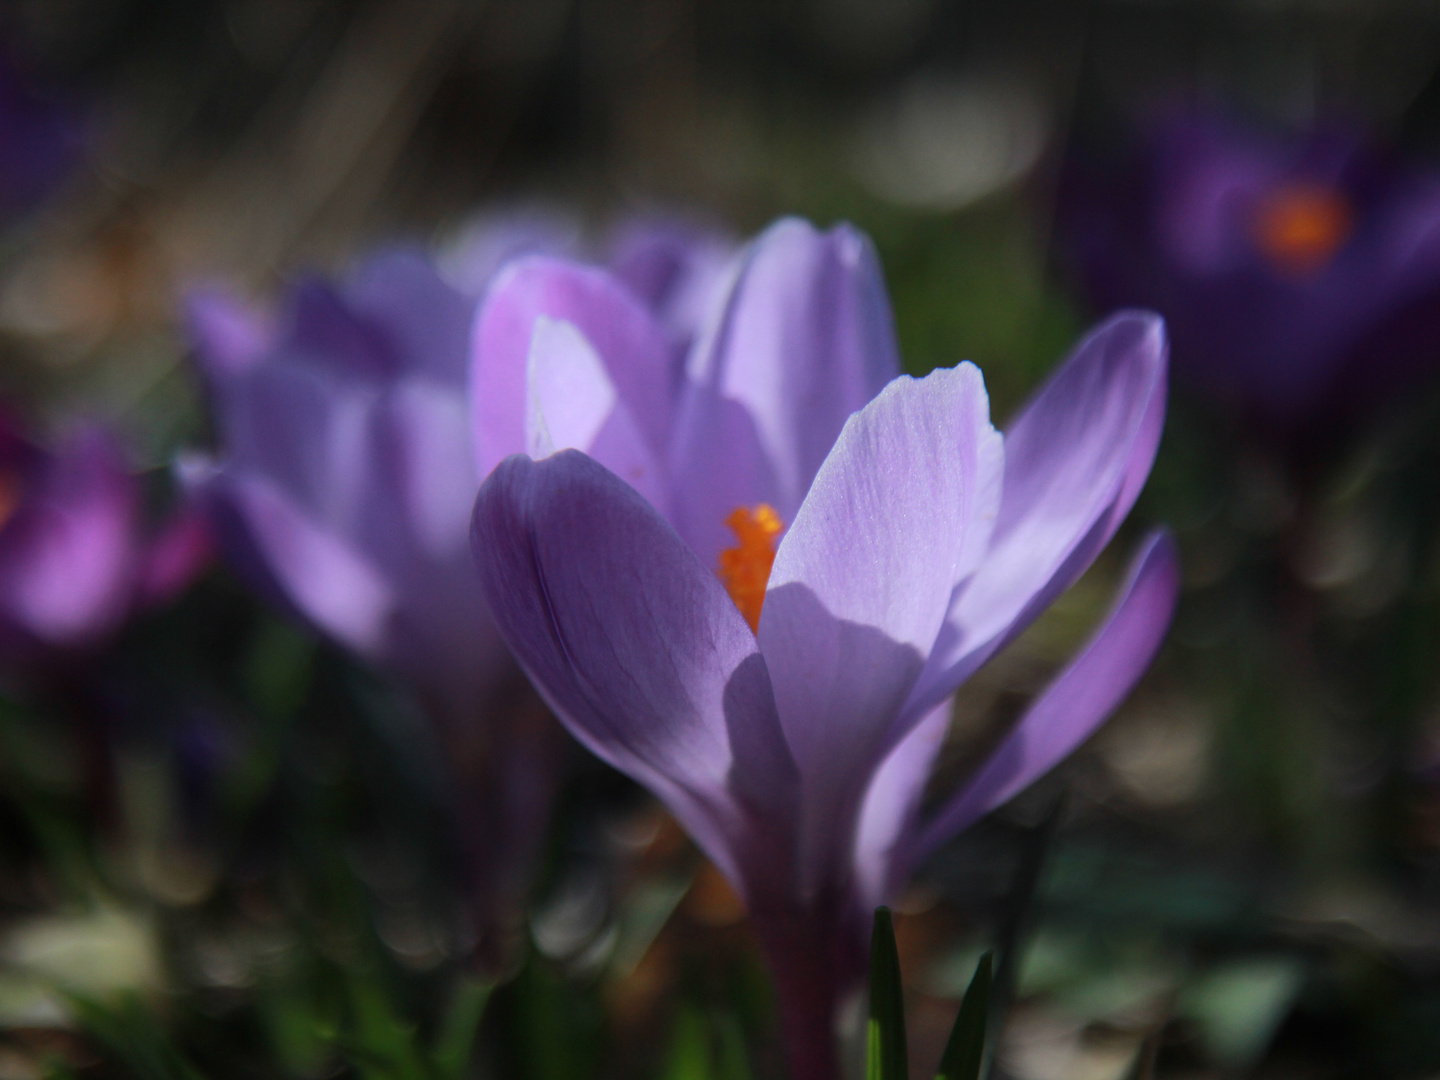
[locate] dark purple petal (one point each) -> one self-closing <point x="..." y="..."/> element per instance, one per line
<point x="1075" y="460"/>
<point x="617" y="326"/>
<point x="806" y="339"/>
<point x="427" y="320"/>
<point x="69" y="553"/>
<point x="678" y="269"/>
<point x="1090" y="688"/>
<point x="862" y="580"/>
<point x="639" y="650"/>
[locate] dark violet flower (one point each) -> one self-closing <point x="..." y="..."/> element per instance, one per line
<point x="75" y="556"/>
<point x="789" y="715"/>
<point x="1299" y="276"/>
<point x="40" y="140"/>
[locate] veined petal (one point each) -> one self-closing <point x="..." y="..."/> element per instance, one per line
<point x="623" y="334"/>
<point x="861" y="582"/>
<point x="1090" y="688"/>
<point x="1075" y="460"/>
<point x="639" y="650"/>
<point x="806" y="339"/>
<point x="574" y="404"/>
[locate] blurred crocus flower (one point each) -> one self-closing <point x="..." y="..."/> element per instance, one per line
<point x="343" y="487"/>
<point x="76" y="557"/>
<point x="785" y="690"/>
<point x="1299" y="275"/>
<point x="41" y="140"/>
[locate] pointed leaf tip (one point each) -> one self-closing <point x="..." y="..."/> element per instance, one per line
<point x="965" y="1051"/>
<point x="886" y="1056"/>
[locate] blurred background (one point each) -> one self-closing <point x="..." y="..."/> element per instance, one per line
<point x="221" y="843"/>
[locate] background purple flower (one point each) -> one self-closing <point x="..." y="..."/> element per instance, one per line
<point x="76" y="557"/>
<point x="795" y="750"/>
<point x="1299" y="274"/>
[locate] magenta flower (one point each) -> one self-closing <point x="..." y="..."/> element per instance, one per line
<point x="790" y="715"/>
<point x="76" y="557"/>
<point x="1299" y="274"/>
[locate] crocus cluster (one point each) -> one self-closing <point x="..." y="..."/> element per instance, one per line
<point x="1299" y="273"/>
<point x="76" y="555"/>
<point x="755" y="588"/>
<point x="347" y="469"/>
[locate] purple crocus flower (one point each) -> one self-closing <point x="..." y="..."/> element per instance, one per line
<point x="789" y="715"/>
<point x="76" y="558"/>
<point x="1299" y="275"/>
<point x="342" y="491"/>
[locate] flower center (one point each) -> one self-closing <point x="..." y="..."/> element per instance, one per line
<point x="1300" y="227"/>
<point x="745" y="568"/>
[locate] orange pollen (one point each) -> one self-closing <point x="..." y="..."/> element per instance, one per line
<point x="745" y="568"/>
<point x="1299" y="228"/>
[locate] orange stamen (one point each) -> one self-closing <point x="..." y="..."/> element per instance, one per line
<point x="745" y="568"/>
<point x="1300" y="227"/>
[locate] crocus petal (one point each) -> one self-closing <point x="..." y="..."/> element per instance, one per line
<point x="1075" y="460"/>
<point x="621" y="331"/>
<point x="69" y="553"/>
<point x="314" y="571"/>
<point x="636" y="646"/>
<point x="229" y="337"/>
<point x="1090" y="688"/>
<point x="327" y="331"/>
<point x="574" y="405"/>
<point x="424" y="444"/>
<point x="891" y="804"/>
<point x="806" y="339"/>
<point x="862" y="580"/>
<point x="427" y="320"/>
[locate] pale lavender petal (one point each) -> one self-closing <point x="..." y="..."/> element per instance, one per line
<point x="617" y="326"/>
<point x="574" y="405"/>
<point x="424" y="432"/>
<point x="638" y="649"/>
<point x="1075" y="460"/>
<point x="891" y="805"/>
<point x="1082" y="697"/>
<point x="861" y="582"/>
<point x="69" y="555"/>
<point x="806" y="339"/>
<point x="314" y="571"/>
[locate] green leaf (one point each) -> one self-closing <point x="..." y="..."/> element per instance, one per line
<point x="965" y="1052"/>
<point x="886" y="1056"/>
<point x="456" y="1040"/>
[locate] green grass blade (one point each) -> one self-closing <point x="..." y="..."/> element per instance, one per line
<point x="456" y="1043"/>
<point x="965" y="1051"/>
<point x="886" y="1056"/>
